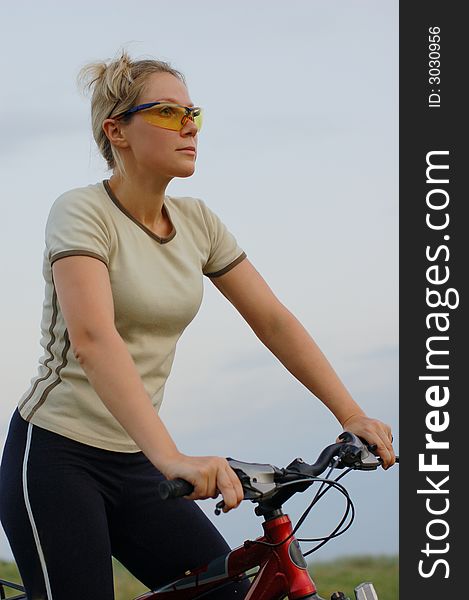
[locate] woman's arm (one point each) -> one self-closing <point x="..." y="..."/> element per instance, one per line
<point x="85" y="298"/>
<point x="288" y="340"/>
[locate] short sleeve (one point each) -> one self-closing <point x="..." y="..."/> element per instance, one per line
<point x="76" y="226"/>
<point x="225" y="252"/>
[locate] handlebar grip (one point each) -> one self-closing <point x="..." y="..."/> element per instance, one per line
<point x="175" y="488"/>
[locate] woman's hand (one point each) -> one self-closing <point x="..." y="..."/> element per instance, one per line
<point x="210" y="475"/>
<point x="374" y="432"/>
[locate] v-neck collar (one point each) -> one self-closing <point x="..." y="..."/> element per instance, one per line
<point x="159" y="239"/>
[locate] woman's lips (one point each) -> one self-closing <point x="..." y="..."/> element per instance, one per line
<point x="188" y="150"/>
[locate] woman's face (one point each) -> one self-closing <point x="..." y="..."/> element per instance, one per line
<point x="154" y="149"/>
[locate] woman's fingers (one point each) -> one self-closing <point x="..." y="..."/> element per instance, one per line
<point x="384" y="445"/>
<point x="205" y="477"/>
<point x="212" y="476"/>
<point x="227" y="490"/>
<point x="238" y="488"/>
<point x="385" y="452"/>
<point x="230" y="487"/>
<point x="374" y="432"/>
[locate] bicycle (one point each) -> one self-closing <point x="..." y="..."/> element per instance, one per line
<point x="281" y="569"/>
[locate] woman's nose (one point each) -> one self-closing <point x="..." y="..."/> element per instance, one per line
<point x="189" y="128"/>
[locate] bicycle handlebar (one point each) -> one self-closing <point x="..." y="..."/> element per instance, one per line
<point x="259" y="480"/>
<point x="175" y="488"/>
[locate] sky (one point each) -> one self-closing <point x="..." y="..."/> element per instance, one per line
<point x="298" y="156"/>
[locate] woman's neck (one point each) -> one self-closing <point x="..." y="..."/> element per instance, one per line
<point x="142" y="197"/>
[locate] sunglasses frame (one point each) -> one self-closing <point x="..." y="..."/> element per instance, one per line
<point x="189" y="110"/>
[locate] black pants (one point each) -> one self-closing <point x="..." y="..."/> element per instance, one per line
<point x="67" y="507"/>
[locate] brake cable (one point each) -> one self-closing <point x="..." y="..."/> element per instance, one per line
<point x="319" y="494"/>
<point x="329" y="483"/>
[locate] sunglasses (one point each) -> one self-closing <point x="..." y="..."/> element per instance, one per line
<point x="167" y="115"/>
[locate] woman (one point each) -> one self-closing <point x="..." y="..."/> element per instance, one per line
<point x="123" y="269"/>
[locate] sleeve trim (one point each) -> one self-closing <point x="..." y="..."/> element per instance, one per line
<point x="232" y="264"/>
<point x="60" y="255"/>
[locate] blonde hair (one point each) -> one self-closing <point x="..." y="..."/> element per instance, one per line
<point x="116" y="85"/>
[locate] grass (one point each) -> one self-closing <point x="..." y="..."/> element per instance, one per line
<point x="9" y="572"/>
<point x="346" y="573"/>
<point x="341" y="574"/>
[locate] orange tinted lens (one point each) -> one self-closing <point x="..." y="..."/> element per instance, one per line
<point x="198" y="118"/>
<point x="171" y="116"/>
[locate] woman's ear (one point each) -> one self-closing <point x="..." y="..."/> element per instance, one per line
<point x="115" y="133"/>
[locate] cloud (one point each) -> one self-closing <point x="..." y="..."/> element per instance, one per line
<point x="25" y="128"/>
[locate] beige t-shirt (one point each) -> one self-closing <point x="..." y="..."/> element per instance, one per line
<point x="157" y="288"/>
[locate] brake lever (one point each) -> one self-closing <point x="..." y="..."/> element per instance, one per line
<point x="219" y="507"/>
<point x="362" y="457"/>
<point x="258" y="480"/>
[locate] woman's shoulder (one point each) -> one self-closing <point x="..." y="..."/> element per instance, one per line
<point x="78" y="220"/>
<point x="201" y="217"/>
<point x="185" y="204"/>
<point x="89" y="195"/>
<point x="190" y="207"/>
<point x="86" y="202"/>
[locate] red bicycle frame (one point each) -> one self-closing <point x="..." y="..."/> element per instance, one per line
<point x="282" y="569"/>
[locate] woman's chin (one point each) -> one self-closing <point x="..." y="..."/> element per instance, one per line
<point x="186" y="171"/>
